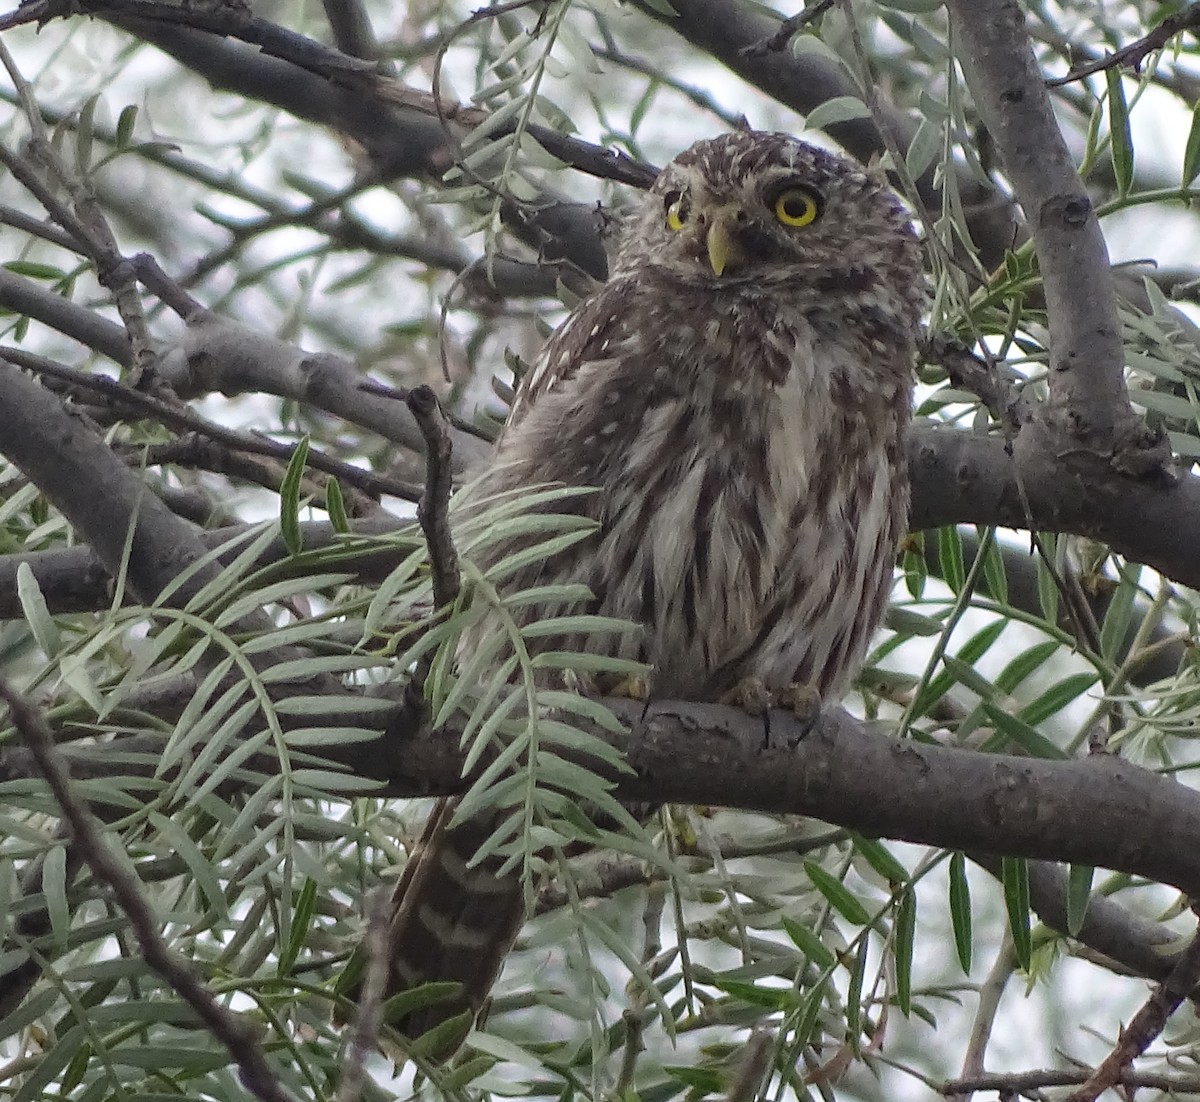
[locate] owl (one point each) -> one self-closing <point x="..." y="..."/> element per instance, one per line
<point x="737" y="395"/>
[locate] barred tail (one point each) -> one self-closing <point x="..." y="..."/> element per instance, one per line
<point x="451" y="922"/>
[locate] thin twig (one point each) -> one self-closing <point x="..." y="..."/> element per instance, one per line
<point x="179" y="416"/>
<point x="1147" y="1024"/>
<point x="1135" y="53"/>
<point x="400" y="394"/>
<point x="370" y="1000"/>
<point x="85" y="221"/>
<point x="231" y="1029"/>
<point x="990" y="995"/>
<point x="432" y="508"/>
<point x="169" y="292"/>
<point x="756" y="1059"/>
<point x="1009" y="1084"/>
<point x="778" y="41"/>
<point x="982" y="377"/>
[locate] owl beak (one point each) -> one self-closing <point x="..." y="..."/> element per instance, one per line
<point x="724" y="251"/>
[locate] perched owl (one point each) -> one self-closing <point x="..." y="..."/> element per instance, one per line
<point x="737" y="393"/>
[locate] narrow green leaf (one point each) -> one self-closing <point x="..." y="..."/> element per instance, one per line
<point x="464" y="1073"/>
<point x="966" y="674"/>
<point x="1120" y="137"/>
<point x="906" y="622"/>
<point x="54" y="886"/>
<point x="73" y="1075"/>
<point x="924" y="148"/>
<point x="1120" y="612"/>
<point x="125" y="125"/>
<point x="835" y="110"/>
<point x="289" y="498"/>
<point x="960" y="911"/>
<point x="180" y="842"/>
<point x="854" y="994"/>
<point x="1015" y="879"/>
<point x="880" y="858"/>
<point x="306" y="905"/>
<point x="84" y="134"/>
<point x="994" y="575"/>
<point x="28" y="1011"/>
<point x="618" y="944"/>
<point x="706" y="1081"/>
<point x="335" y="506"/>
<point x="8" y="882"/>
<point x="906" y="932"/>
<point x="1057" y="697"/>
<point x="1079" y="890"/>
<point x="808" y="943"/>
<point x="1191" y="152"/>
<point x="37" y="613"/>
<point x="950" y="557"/>
<point x="840" y="897"/>
<point x="807" y="1023"/>
<point x="1046" y="586"/>
<point x="1025" y="736"/>
<point x="1014" y="674"/>
<point x="32" y="269"/>
<point x="981" y="642"/>
<point x="772" y="998"/>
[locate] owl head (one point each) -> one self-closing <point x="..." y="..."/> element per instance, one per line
<point x="750" y="208"/>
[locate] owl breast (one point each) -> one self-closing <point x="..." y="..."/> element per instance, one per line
<point x="747" y="518"/>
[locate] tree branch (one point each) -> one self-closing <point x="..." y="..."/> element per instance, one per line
<point x="1147" y="1024"/>
<point x="431" y="512"/>
<point x="1135" y="52"/>
<point x="1088" y="400"/>
<point x="844" y="773"/>
<point x="218" y="354"/>
<point x="958" y="478"/>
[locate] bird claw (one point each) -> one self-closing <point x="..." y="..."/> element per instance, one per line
<point x="802" y="700"/>
<point x="636" y="686"/>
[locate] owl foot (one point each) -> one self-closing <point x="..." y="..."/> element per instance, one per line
<point x="634" y="687"/>
<point x="751" y="695"/>
<point x="802" y="700"/>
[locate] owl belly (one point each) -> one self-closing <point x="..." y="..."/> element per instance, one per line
<point x="769" y="556"/>
<point x="747" y="522"/>
<point x="718" y="608"/>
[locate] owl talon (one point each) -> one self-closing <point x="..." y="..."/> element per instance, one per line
<point x="634" y="687"/>
<point x="751" y="695"/>
<point x="802" y="700"/>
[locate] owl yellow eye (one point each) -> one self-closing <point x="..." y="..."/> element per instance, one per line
<point x="677" y="214"/>
<point x="796" y="207"/>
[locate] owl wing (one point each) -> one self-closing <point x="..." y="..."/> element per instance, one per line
<point x="593" y="338"/>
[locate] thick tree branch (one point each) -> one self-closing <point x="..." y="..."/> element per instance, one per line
<point x="1099" y="810"/>
<point x="217" y="354"/>
<point x="131" y="531"/>
<point x="1088" y="399"/>
<point x="844" y="773"/>
<point x="96" y="492"/>
<point x="24" y="297"/>
<point x="181" y="418"/>
<point x="958" y="478"/>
